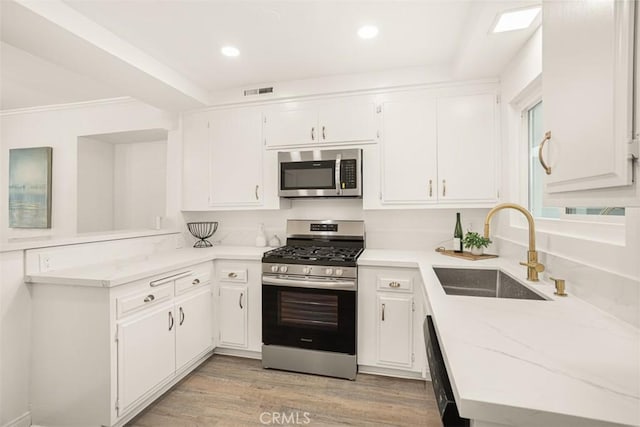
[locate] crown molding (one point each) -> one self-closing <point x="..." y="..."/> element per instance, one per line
<point x="68" y="106"/>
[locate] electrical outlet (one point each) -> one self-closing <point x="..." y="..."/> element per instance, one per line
<point x="45" y="262"/>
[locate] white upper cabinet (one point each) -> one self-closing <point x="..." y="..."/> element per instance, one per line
<point x="588" y="99"/>
<point x="236" y="162"/>
<point x="439" y="149"/>
<point x="467" y="148"/>
<point x="225" y="163"/>
<point x="409" y="146"/>
<point x="320" y="122"/>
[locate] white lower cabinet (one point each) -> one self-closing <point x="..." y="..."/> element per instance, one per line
<point x="146" y="354"/>
<point x="394" y="344"/>
<point x="233" y="316"/>
<point x="102" y="354"/>
<point x="390" y="322"/>
<point x="239" y="305"/>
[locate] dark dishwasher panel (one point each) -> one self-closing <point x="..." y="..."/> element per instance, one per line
<point x="440" y="379"/>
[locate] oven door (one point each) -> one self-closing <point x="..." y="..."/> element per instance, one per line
<point x="310" y="318"/>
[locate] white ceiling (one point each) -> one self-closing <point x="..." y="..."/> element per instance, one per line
<point x="168" y="52"/>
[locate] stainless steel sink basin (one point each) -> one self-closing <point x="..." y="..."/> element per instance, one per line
<point x="483" y="283"/>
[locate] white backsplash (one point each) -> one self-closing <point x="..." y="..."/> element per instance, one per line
<point x="411" y="229"/>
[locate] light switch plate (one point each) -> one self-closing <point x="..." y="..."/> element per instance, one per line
<point x="45" y="262"/>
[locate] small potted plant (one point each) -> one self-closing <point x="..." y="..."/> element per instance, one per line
<point x="475" y="242"/>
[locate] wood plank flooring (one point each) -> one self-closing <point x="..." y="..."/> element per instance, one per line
<point x="232" y="391"/>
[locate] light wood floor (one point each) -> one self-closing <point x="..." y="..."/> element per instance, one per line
<point x="231" y="391"/>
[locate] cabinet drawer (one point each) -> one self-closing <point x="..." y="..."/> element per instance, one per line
<point x="131" y="303"/>
<point x="200" y="275"/>
<point x="395" y="280"/>
<point x="237" y="275"/>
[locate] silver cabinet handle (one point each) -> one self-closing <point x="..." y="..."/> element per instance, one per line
<point x="257" y="187"/>
<point x="547" y="169"/>
<point x="313" y="134"/>
<point x="430" y="188"/>
<point x="169" y="279"/>
<point x="240" y="300"/>
<point x="394" y="284"/>
<point x="171" y="321"/>
<point x="444" y="187"/>
<point x="323" y="134"/>
<point x="181" y="316"/>
<point x="149" y="298"/>
<point x="195" y="282"/>
<point x="232" y="275"/>
<point x="383" y="312"/>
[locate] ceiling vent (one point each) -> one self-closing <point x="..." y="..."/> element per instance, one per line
<point x="258" y="91"/>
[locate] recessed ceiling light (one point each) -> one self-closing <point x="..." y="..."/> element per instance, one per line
<point x="516" y="19"/>
<point x="230" y="51"/>
<point x="368" y="31"/>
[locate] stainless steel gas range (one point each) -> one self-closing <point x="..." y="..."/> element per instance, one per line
<point x="309" y="299"/>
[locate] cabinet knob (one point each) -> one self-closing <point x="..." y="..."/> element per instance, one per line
<point x="149" y="298"/>
<point x="232" y="275"/>
<point x="394" y="284"/>
<point x="195" y="282"/>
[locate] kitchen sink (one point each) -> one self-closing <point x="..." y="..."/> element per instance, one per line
<point x="483" y="283"/>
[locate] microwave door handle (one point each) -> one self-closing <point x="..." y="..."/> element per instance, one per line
<point x="338" y="186"/>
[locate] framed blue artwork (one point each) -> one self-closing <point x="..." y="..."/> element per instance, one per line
<point x="30" y="187"/>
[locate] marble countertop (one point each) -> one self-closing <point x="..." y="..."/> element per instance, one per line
<point x="119" y="272"/>
<point x="560" y="362"/>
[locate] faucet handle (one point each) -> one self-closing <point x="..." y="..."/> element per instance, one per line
<point x="534" y="264"/>
<point x="559" y="287"/>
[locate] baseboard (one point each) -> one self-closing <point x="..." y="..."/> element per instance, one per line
<point x="23" y="420"/>
<point x="391" y="372"/>
<point x="238" y="353"/>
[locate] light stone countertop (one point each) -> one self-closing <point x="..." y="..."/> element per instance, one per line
<point x="119" y="272"/>
<point x="560" y="362"/>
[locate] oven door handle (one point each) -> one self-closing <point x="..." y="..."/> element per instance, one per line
<point x="318" y="284"/>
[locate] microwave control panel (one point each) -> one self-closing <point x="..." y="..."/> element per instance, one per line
<point x="348" y="174"/>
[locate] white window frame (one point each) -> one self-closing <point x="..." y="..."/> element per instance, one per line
<point x="605" y="229"/>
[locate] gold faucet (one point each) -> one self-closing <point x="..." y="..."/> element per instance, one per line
<point x="532" y="264"/>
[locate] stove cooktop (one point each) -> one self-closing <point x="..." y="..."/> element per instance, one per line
<point x="313" y="255"/>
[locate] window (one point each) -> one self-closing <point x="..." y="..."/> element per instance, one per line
<point x="536" y="177"/>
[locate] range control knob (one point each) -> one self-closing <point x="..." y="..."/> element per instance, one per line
<point x="328" y="271"/>
<point x="283" y="269"/>
<point x="306" y="270"/>
<point x="339" y="272"/>
<point x="274" y="268"/>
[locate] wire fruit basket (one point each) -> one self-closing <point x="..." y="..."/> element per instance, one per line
<point x="202" y="231"/>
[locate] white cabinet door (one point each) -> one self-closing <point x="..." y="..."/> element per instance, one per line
<point x="233" y="316"/>
<point x="146" y="353"/>
<point x="194" y="320"/>
<point x="235" y="157"/>
<point x="195" y="161"/>
<point x="347" y="121"/>
<point x="409" y="162"/>
<point x="467" y="148"/>
<point x="291" y="127"/>
<point x="395" y="329"/>
<point x="587" y="92"/>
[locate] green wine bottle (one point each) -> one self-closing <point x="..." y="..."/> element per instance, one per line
<point x="457" y="235"/>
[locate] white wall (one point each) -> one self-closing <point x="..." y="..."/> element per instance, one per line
<point x="60" y="128"/>
<point x="95" y="185"/>
<point x="598" y="271"/>
<point x="140" y="178"/>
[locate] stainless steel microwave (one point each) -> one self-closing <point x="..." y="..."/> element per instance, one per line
<point x="320" y="173"/>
